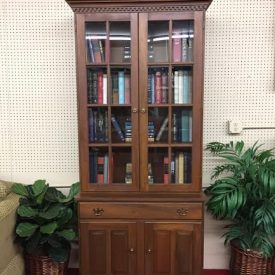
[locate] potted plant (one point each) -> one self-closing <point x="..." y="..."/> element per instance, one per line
<point x="46" y="224"/>
<point x="243" y="192"/>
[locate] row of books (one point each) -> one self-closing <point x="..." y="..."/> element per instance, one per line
<point x="121" y="87"/>
<point x="181" y="168"/>
<point x="95" y="50"/>
<point x="99" y="167"/>
<point x="98" y="87"/>
<point x="123" y="135"/>
<point x="182" y="126"/>
<point x="157" y="87"/>
<point x="98" y="125"/>
<point x="182" y="48"/>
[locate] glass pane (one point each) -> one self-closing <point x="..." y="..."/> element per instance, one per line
<point x="158" y="166"/>
<point x="158" y="41"/>
<point x="181" y="125"/>
<point x="121" y="86"/>
<point x="99" y="165"/>
<point x="98" y="125"/>
<point x="158" y="125"/>
<point x="96" y="41"/>
<point x="121" y="125"/>
<point x="183" y="34"/>
<point x="97" y="84"/>
<point x="120" y="42"/>
<point x="182" y="85"/>
<point x="157" y="85"/>
<point x="181" y="166"/>
<point x="122" y="165"/>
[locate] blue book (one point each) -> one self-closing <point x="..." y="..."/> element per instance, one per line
<point x="152" y="89"/>
<point x="121" y="88"/>
<point x="186" y="87"/>
<point x="185" y="126"/>
<point x="149" y="89"/>
<point x="117" y="128"/>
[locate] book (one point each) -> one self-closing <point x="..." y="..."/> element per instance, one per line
<point x="128" y="173"/>
<point x="100" y="125"/>
<point x="150" y="174"/>
<point x="180" y="81"/>
<point x="90" y="51"/>
<point x="174" y="127"/>
<point x="115" y="88"/>
<point x="127" y="87"/>
<point x="162" y="129"/>
<point x="172" y="165"/>
<point x="149" y="88"/>
<point x="106" y="169"/>
<point x="176" y="87"/>
<point x="186" y="94"/>
<point x="100" y="170"/>
<point x="187" y="168"/>
<point x="117" y="128"/>
<point x="164" y="88"/>
<point x="184" y="52"/>
<point x="185" y="126"/>
<point x="101" y="51"/>
<point x="153" y="89"/>
<point x="190" y="49"/>
<point x="96" y="50"/>
<point x="128" y="130"/>
<point x="180" y="168"/>
<point x="165" y="170"/>
<point x="158" y="86"/>
<point x="91" y="126"/>
<point x="100" y="87"/>
<point x="151" y="131"/>
<point x="121" y="88"/>
<point x="92" y="166"/>
<point x="104" y="89"/>
<point x="176" y="47"/>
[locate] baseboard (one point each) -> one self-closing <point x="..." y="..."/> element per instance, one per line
<point x="74" y="271"/>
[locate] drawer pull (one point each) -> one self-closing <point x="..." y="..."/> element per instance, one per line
<point x="98" y="211"/>
<point x="182" y="211"/>
<point x="149" y="250"/>
<point x="132" y="250"/>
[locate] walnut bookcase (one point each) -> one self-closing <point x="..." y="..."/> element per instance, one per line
<point x="140" y="89"/>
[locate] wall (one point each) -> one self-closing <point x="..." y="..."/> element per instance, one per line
<point x="38" y="136"/>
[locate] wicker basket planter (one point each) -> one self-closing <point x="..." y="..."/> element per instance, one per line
<point x="250" y="263"/>
<point x="43" y="265"/>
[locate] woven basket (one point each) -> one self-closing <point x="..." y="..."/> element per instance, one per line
<point x="250" y="263"/>
<point x="43" y="265"/>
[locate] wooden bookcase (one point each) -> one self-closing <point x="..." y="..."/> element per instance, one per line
<point x="140" y="90"/>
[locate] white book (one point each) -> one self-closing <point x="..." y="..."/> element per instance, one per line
<point x="104" y="88"/>
<point x="180" y="87"/>
<point x="176" y="87"/>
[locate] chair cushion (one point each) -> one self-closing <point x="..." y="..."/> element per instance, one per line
<point x="5" y="188"/>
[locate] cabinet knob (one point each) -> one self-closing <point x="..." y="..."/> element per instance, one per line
<point x="134" y="110"/>
<point x="98" y="211"/>
<point x="182" y="211"/>
<point x="132" y="249"/>
<point x="143" y="110"/>
<point x="149" y="250"/>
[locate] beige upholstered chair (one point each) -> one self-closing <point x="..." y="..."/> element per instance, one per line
<point x="11" y="259"/>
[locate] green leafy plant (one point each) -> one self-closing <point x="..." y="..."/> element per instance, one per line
<point x="243" y="192"/>
<point x="46" y="219"/>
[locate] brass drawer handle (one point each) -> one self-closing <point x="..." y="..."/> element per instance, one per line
<point x="143" y="110"/>
<point x="182" y="211"/>
<point x="134" y="110"/>
<point x="98" y="211"/>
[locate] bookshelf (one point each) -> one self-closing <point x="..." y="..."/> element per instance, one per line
<point x="140" y="87"/>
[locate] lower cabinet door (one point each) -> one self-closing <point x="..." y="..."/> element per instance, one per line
<point x="173" y="248"/>
<point x="108" y="248"/>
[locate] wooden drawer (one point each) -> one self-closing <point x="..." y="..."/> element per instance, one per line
<point x="178" y="211"/>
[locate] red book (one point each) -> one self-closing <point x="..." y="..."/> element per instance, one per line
<point x="100" y="88"/>
<point x="177" y="47"/>
<point x="100" y="170"/>
<point x="158" y="88"/>
<point x="127" y="87"/>
<point x="165" y="169"/>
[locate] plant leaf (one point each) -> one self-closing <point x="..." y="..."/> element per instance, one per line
<point x="26" y="229"/>
<point x="52" y="212"/>
<point x="26" y="211"/>
<point x="49" y="228"/>
<point x="20" y="189"/>
<point x="67" y="234"/>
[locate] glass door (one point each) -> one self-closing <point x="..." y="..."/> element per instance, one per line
<point x="109" y="102"/>
<point x="171" y="101"/>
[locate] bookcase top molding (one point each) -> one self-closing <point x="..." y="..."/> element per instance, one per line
<point x="86" y="6"/>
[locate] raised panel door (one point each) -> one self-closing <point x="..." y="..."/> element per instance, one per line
<point x="173" y="248"/>
<point x="108" y="248"/>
